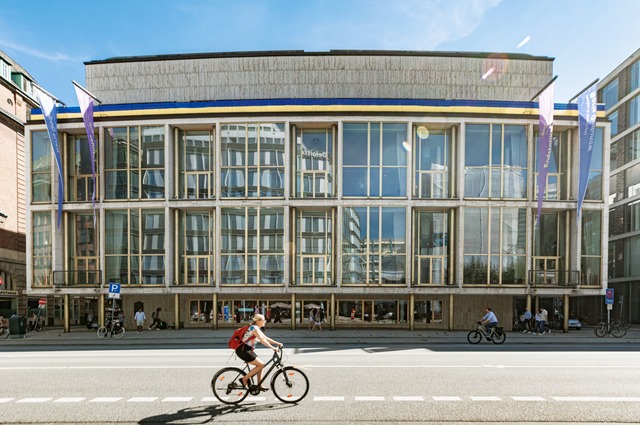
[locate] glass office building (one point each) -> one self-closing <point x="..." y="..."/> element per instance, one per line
<point x="279" y="182"/>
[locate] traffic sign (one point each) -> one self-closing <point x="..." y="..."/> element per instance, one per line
<point x="609" y="299"/>
<point x="114" y="290"/>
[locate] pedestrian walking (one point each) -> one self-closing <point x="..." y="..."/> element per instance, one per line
<point x="526" y="319"/>
<point x="156" y="319"/>
<point x="139" y="317"/>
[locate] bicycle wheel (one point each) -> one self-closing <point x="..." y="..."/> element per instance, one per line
<point x="39" y="327"/>
<point x="618" y="331"/>
<point x="4" y="334"/>
<point x="600" y="330"/>
<point x="290" y="385"/>
<point x="499" y="339"/>
<point x="119" y="332"/>
<point x="474" y="337"/>
<point x="227" y="387"/>
<point x="102" y="332"/>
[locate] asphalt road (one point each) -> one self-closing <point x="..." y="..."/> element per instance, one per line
<point x="349" y="384"/>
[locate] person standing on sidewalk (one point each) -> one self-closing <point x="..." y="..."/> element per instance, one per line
<point x="526" y="318"/>
<point x="140" y="317"/>
<point x="544" y="315"/>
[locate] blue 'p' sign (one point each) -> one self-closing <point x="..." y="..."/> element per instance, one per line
<point x="114" y="288"/>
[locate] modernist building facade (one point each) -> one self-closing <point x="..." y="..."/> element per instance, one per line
<point x="620" y="92"/>
<point x="387" y="188"/>
<point x="16" y="102"/>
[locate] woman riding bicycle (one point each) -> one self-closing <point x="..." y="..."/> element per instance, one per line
<point x="246" y="351"/>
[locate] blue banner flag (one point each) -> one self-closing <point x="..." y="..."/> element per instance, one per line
<point x="86" y="108"/>
<point x="50" y="112"/>
<point x="545" y="107"/>
<point x="587" y="107"/>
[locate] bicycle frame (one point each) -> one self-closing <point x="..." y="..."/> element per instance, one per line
<point x="276" y="359"/>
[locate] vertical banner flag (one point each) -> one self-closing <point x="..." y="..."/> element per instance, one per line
<point x="587" y="107"/>
<point x="86" y="108"/>
<point x="50" y="112"/>
<point x="545" y="106"/>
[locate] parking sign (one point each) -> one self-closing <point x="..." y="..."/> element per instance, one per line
<point x="114" y="290"/>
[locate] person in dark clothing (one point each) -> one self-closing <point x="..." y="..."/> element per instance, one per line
<point x="156" y="319"/>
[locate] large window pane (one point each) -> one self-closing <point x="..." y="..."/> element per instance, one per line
<point x="314" y="163"/>
<point x="432" y="162"/>
<point x="40" y="167"/>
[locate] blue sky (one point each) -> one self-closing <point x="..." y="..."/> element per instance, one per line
<point x="52" y="39"/>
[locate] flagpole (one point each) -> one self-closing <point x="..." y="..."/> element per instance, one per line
<point x="544" y="88"/>
<point x="86" y="91"/>
<point x="584" y="90"/>
<point x="49" y="94"/>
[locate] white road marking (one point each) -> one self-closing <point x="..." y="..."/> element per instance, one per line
<point x="528" y="398"/>
<point x="370" y="398"/>
<point x="5" y="400"/>
<point x="69" y="400"/>
<point x="141" y="399"/>
<point x="250" y="398"/>
<point x="446" y="398"/>
<point x="208" y="399"/>
<point x="328" y="398"/>
<point x="35" y="400"/>
<point x="408" y="398"/>
<point x="485" y="398"/>
<point x="636" y="399"/>
<point x="105" y="399"/>
<point x="168" y="399"/>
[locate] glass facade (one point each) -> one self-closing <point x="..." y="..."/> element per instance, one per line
<point x="314" y="247"/>
<point x="374" y="159"/>
<point x="495" y="161"/>
<point x="80" y="170"/>
<point x="196" y="247"/>
<point x="252" y="160"/>
<point x="41" y="157"/>
<point x="315" y="163"/>
<point x="433" y="156"/>
<point x="195" y="164"/>
<point x="431" y="248"/>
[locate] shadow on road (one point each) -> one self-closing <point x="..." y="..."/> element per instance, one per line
<point x="207" y="414"/>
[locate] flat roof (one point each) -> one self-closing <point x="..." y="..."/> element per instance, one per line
<point x="267" y="53"/>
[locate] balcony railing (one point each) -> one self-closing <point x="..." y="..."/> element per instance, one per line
<point x="554" y="278"/>
<point x="67" y="278"/>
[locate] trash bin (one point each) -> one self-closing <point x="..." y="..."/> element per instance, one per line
<point x="17" y="327"/>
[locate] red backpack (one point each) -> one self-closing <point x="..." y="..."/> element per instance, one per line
<point x="236" y="339"/>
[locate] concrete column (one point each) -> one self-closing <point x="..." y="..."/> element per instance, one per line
<point x="214" y="322"/>
<point x="293" y="310"/>
<point x="451" y="316"/>
<point x="101" y="310"/>
<point x="565" y="313"/>
<point x="176" y="311"/>
<point x="412" y="303"/>
<point x="67" y="327"/>
<point x="333" y="310"/>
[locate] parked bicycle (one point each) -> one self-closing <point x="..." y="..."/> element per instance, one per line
<point x="4" y="332"/>
<point x="289" y="384"/>
<point x="610" y="328"/>
<point x="112" y="328"/>
<point x="35" y="324"/>
<point x="497" y="335"/>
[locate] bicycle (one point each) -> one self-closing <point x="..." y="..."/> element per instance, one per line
<point x="289" y="384"/>
<point x="35" y="324"/>
<point x="603" y="328"/>
<point x="4" y="332"/>
<point x="497" y="335"/>
<point x="111" y="328"/>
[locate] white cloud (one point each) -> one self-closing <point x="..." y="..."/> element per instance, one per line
<point x="52" y="57"/>
<point x="429" y="23"/>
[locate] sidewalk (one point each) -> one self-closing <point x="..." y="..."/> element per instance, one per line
<point x="302" y="337"/>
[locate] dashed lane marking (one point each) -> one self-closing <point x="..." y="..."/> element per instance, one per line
<point x="208" y="399"/>
<point x="623" y="399"/>
<point x="177" y="399"/>
<point x="69" y="400"/>
<point x="105" y="399"/>
<point x="485" y="398"/>
<point x="369" y="398"/>
<point x="446" y="398"/>
<point x="5" y="400"/>
<point x="35" y="400"/>
<point x="141" y="399"/>
<point x="408" y="398"/>
<point x="527" y="398"/>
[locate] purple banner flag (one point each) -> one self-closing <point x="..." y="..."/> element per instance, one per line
<point x="587" y="107"/>
<point x="545" y="106"/>
<point x="86" y="108"/>
<point x="50" y="113"/>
